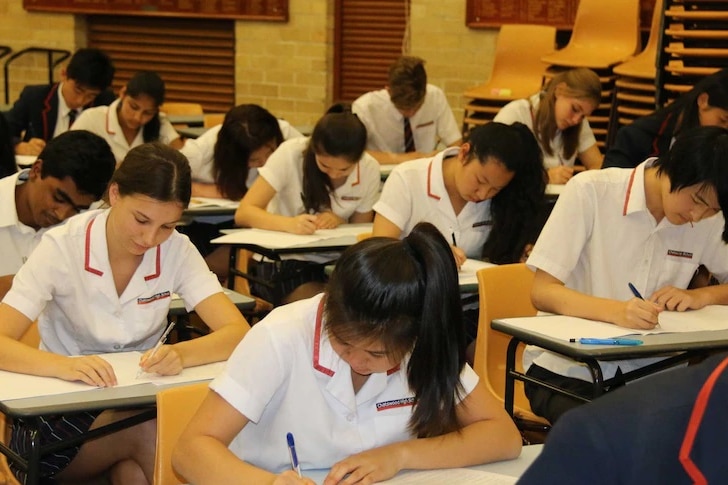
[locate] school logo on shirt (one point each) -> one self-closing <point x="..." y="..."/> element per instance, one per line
<point x="350" y="197"/>
<point x="397" y="403"/>
<point x="150" y="299"/>
<point x="679" y="254"/>
<point x="422" y="125"/>
<point x="483" y="223"/>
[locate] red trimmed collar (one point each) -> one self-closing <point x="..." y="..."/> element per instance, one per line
<point x="429" y="183"/>
<point x="629" y="192"/>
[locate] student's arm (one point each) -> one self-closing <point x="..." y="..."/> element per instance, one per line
<point x="252" y="212"/>
<point x="391" y="158"/>
<point x="551" y="295"/>
<point x="383" y="227"/>
<point x="672" y="298"/>
<point x="31" y="147"/>
<point x="177" y="143"/>
<point x="361" y="217"/>
<point x="202" y="455"/>
<point x="488" y="434"/>
<point x="591" y="158"/>
<point x="201" y="189"/>
<point x="228" y="328"/>
<point x="18" y="357"/>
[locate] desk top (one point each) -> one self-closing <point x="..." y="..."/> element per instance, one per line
<point x="191" y="131"/>
<point x="511" y="468"/>
<point x="189" y="119"/>
<point x="243" y="302"/>
<point x="660" y="343"/>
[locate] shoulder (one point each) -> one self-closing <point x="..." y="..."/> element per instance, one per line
<point x="371" y="99"/>
<point x="104" y="98"/>
<point x="38" y="91"/>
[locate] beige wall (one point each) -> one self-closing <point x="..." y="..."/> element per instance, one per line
<point x="287" y="67"/>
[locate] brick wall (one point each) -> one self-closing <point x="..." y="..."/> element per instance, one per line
<point x="286" y="66"/>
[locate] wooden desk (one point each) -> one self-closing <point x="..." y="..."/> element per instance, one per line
<point x="678" y="347"/>
<point x="192" y="131"/>
<point x="189" y="120"/>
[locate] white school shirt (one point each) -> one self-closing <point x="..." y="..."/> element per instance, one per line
<point x="415" y="192"/>
<point x="520" y="110"/>
<point x="68" y="286"/>
<point x="104" y="121"/>
<point x="285" y="377"/>
<point x="613" y="240"/>
<point x="17" y="240"/>
<point x="434" y="122"/>
<point x="201" y="151"/>
<point x="284" y="172"/>
<point x="62" y="120"/>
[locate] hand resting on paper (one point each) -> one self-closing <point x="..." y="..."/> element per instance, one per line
<point x="91" y="369"/>
<point x="677" y="299"/>
<point x="459" y="255"/>
<point x="328" y="220"/>
<point x="302" y="224"/>
<point x="370" y="466"/>
<point x="638" y="313"/>
<point x="166" y="361"/>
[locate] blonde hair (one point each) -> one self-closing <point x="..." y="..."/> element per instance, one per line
<point x="580" y="83"/>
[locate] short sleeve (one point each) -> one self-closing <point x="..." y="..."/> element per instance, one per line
<point x="371" y="178"/>
<point x="511" y="113"/>
<point x="194" y="281"/>
<point x="278" y="168"/>
<point x="586" y="137"/>
<point x="200" y="153"/>
<point x="395" y="203"/>
<point x="167" y="133"/>
<point x="447" y="128"/>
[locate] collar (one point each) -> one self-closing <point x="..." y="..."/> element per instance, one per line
<point x="112" y="120"/>
<point x="354" y="177"/>
<point x="435" y="183"/>
<point x="63" y="108"/>
<point x="96" y="251"/>
<point x="634" y="196"/>
<point x="9" y="212"/>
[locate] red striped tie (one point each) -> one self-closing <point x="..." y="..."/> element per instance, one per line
<point x="409" y="141"/>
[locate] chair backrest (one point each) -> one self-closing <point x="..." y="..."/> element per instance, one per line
<point x="174" y="108"/>
<point x="505" y="292"/>
<point x="612" y="25"/>
<point x="212" y="119"/>
<point x="175" y="408"/>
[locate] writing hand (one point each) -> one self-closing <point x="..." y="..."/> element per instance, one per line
<point x="31" y="147"/>
<point x="459" y="255"/>
<point x="560" y="175"/>
<point x="291" y="478"/>
<point x="166" y="361"/>
<point x="303" y="224"/>
<point x="328" y="220"/>
<point x="637" y="313"/>
<point x="91" y="369"/>
<point x="677" y="299"/>
<point x="370" y="466"/>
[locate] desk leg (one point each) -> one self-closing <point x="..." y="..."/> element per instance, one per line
<point x="510" y="378"/>
<point x="597" y="376"/>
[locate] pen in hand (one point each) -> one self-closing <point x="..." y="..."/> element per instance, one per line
<point x="159" y="343"/>
<point x="634" y="291"/>
<point x="292" y="454"/>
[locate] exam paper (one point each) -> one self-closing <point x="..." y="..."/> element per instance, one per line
<point x="278" y="240"/>
<point x="451" y="476"/>
<point x="125" y="364"/>
<point x="196" y="202"/>
<point x="467" y="275"/>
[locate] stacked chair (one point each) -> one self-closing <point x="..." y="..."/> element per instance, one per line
<point x="605" y="34"/>
<point x="693" y="44"/>
<point x="634" y="86"/>
<point x="517" y="71"/>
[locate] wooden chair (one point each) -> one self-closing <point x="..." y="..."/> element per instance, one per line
<point x="175" y="408"/>
<point x="212" y="119"/>
<point x="504" y="292"/>
<point x="173" y="108"/>
<point x="242" y="286"/>
<point x="32" y="338"/>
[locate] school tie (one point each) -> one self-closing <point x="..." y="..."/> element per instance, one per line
<point x="72" y="117"/>
<point x="409" y="141"/>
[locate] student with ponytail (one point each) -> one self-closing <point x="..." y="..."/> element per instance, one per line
<point x="377" y="359"/>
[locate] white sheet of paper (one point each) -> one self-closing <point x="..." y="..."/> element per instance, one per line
<point x="452" y="476"/>
<point x="712" y="317"/>
<point x="125" y="364"/>
<point x="212" y="202"/>
<point x="278" y="240"/>
<point x="467" y="273"/>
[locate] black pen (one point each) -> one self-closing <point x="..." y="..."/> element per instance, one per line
<point x="634" y="291"/>
<point x="452" y="234"/>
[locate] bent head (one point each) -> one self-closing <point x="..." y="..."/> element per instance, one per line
<point x="338" y="141"/>
<point x="575" y="94"/>
<point x="140" y="99"/>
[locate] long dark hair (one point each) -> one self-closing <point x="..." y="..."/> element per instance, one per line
<point x="148" y="83"/>
<point x="157" y="171"/>
<point x="519" y="210"/>
<point x="686" y="106"/>
<point x="339" y="133"/>
<point x="404" y="294"/>
<point x="245" y="129"/>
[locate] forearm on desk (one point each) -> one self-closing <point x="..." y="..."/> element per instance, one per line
<point x="251" y="216"/>
<point x="556" y="298"/>
<point x="713" y="295"/>
<point x="213" y="347"/>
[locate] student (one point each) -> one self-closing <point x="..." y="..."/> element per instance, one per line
<point x="487" y="195"/>
<point x="226" y="158"/>
<point x="103" y="283"/>
<point x="133" y="118"/>
<point x="379" y="360"/>
<point x="670" y="428"/>
<point x="69" y="175"/>
<point x="314" y="183"/>
<point x="557" y="116"/>
<point x="45" y="111"/>
<point x="651" y="226"/>
<point x="7" y="150"/>
<point x="651" y="136"/>
<point x="408" y="118"/>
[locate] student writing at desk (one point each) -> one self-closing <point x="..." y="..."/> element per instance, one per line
<point x="557" y="116"/>
<point x="43" y="112"/>
<point x="380" y="362"/>
<point x="102" y="283"/>
<point x="133" y="118"/>
<point x="650" y="226"/>
<point x="409" y="118"/>
<point x="314" y="183"/>
<point x="70" y="174"/>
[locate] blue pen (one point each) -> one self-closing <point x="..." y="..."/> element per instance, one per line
<point x="607" y="341"/>
<point x="634" y="291"/>
<point x="292" y="453"/>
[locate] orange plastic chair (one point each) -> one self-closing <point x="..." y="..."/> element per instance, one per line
<point x="174" y="108"/>
<point x="642" y="66"/>
<point x="504" y="292"/>
<point x="212" y="119"/>
<point x="604" y="34"/>
<point x="175" y="408"/>
<point x="31" y="337"/>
